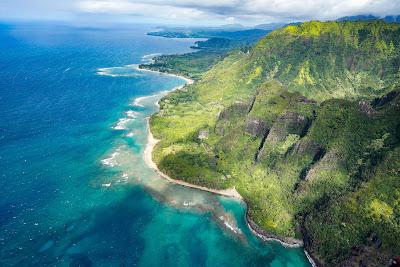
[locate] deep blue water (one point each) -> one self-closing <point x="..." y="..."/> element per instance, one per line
<point x="75" y="190"/>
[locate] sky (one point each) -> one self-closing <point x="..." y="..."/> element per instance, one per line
<point x="192" y="12"/>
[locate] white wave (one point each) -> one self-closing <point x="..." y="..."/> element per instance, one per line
<point x="149" y="58"/>
<point x="131" y="134"/>
<point x="125" y="177"/>
<point x="111" y="161"/>
<point x="105" y="72"/>
<point x="121" y="124"/>
<point x="124" y="71"/>
<point x="151" y="55"/>
<point x="234" y="229"/>
<point x="230" y="227"/>
<point x="131" y="114"/>
<point x="188" y="203"/>
<point x="138" y="102"/>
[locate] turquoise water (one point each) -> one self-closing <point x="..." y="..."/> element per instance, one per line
<point x="75" y="190"/>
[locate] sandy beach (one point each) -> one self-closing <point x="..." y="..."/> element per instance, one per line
<point x="151" y="142"/>
<point x="187" y="80"/>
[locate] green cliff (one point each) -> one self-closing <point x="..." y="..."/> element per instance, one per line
<point x="306" y="126"/>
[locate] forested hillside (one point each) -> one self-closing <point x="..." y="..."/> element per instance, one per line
<point x="306" y="126"/>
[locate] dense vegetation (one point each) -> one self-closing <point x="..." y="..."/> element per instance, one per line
<point x="306" y="126"/>
<point x="214" y="44"/>
<point x="194" y="65"/>
<point x="191" y="65"/>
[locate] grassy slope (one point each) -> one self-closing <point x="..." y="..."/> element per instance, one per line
<point x="318" y="156"/>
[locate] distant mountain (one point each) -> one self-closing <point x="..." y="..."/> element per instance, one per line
<point x="358" y="18"/>
<point x="390" y="19"/>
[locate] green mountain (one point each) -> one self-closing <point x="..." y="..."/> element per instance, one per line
<point x="332" y="59"/>
<point x="306" y="126"/>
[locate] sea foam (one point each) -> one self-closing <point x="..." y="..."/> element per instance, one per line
<point x="121" y="124"/>
<point x="149" y="58"/>
<point x="131" y="114"/>
<point x="124" y="71"/>
<point x="111" y="161"/>
<point x="138" y="102"/>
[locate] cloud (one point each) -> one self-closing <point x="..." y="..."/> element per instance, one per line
<point x="203" y="11"/>
<point x="156" y="10"/>
<point x="274" y="10"/>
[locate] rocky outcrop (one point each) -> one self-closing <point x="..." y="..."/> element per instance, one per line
<point x="256" y="127"/>
<point x="260" y="148"/>
<point x="366" y="108"/>
<point x="225" y="118"/>
<point x="305" y="100"/>
<point x="289" y="123"/>
<point x="330" y="161"/>
<point x="235" y="110"/>
<point x="203" y="134"/>
<point x="308" y="147"/>
<point x="379" y="102"/>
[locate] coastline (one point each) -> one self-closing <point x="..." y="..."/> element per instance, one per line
<point x="152" y="142"/>
<point x="286" y="242"/>
<point x="232" y="192"/>
<point x="186" y="79"/>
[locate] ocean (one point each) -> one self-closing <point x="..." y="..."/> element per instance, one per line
<point x="75" y="189"/>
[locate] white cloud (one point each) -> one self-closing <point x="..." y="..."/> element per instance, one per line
<point x="227" y="10"/>
<point x="140" y="9"/>
<point x="202" y="11"/>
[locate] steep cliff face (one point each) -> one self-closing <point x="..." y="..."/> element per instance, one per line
<point x="333" y="59"/>
<point x="306" y="126"/>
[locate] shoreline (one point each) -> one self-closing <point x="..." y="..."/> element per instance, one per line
<point x="186" y="79"/>
<point x="152" y="142"/>
<point x="232" y="192"/>
<point x="286" y="242"/>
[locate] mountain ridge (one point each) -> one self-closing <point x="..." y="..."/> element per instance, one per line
<point x="295" y="126"/>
